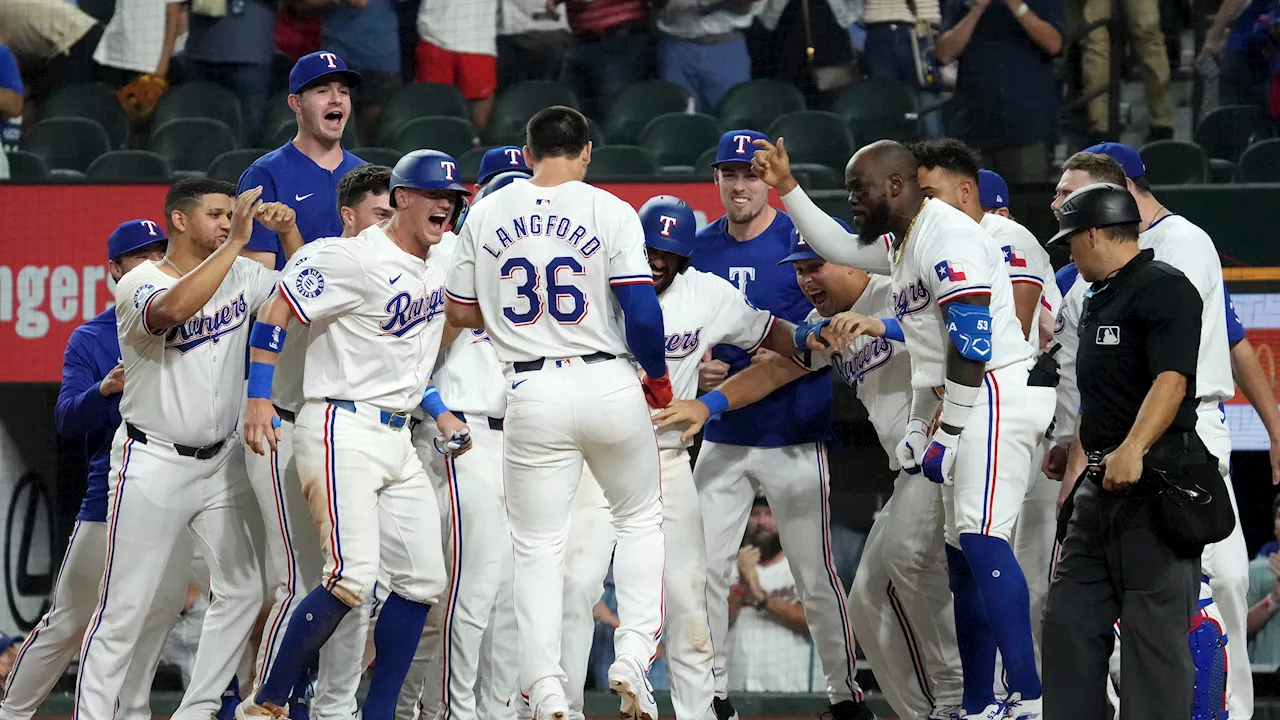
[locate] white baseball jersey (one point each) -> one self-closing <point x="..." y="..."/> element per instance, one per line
<point x="1024" y="258"/>
<point x="286" y="385"/>
<point x="1180" y="243"/>
<point x="469" y="376"/>
<point x="947" y="256"/>
<point x="178" y="373"/>
<point x="878" y="369"/>
<point x="376" y="315"/>
<point x="1066" y="333"/>
<point x="540" y="262"/>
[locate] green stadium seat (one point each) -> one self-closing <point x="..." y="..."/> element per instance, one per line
<point x="594" y="132"/>
<point x="278" y="113"/>
<point x="416" y="100"/>
<point x="201" y="100"/>
<point x="446" y="134"/>
<point x="126" y="165"/>
<point x="707" y="157"/>
<point x="66" y="144"/>
<point x="877" y="111"/>
<point x="1175" y="162"/>
<point x="231" y="165"/>
<point x="678" y="139"/>
<point x="94" y="101"/>
<point x="191" y="144"/>
<point x="629" y="160"/>
<point x="517" y="103"/>
<point x="1225" y="132"/>
<point x="469" y="163"/>
<point x="756" y="104"/>
<point x="639" y="103"/>
<point x="1260" y="163"/>
<point x="815" y="137"/>
<point x="379" y="155"/>
<point x="817" y="177"/>
<point x="25" y="165"/>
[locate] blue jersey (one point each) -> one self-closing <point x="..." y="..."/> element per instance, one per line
<point x="1235" y="328"/>
<point x="288" y="176"/>
<point x="92" y="352"/>
<point x="799" y="412"/>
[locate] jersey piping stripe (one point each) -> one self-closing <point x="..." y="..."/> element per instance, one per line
<point x="460" y="299"/>
<point x="765" y="336"/>
<point x="631" y="280"/>
<point x="331" y="492"/>
<point x="44" y="621"/>
<point x="993" y="452"/>
<point x="451" y="607"/>
<point x="851" y="662"/>
<point x="96" y="622"/>
<point x="279" y="610"/>
<point x="293" y="303"/>
<point x="913" y="643"/>
<point x="662" y="602"/>
<point x="147" y="308"/>
<point x="1029" y="279"/>
<point x="965" y="291"/>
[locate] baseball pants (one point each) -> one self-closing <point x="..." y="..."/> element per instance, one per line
<point x="688" y="634"/>
<point x="795" y="479"/>
<point x="1033" y="542"/>
<point x="499" y="675"/>
<point x="558" y="417"/>
<point x="900" y="603"/>
<point x="55" y="640"/>
<point x="293" y="565"/>
<point x="155" y="496"/>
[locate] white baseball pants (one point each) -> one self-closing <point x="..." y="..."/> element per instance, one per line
<point x="1033" y="543"/>
<point x="558" y="417"/>
<point x="155" y="496"/>
<point x="795" y="479"/>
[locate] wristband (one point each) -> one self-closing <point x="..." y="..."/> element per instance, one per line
<point x="267" y="337"/>
<point x="893" y="329"/>
<point x="957" y="404"/>
<point x="802" y="332"/>
<point x="260" y="375"/>
<point x="715" y="401"/>
<point x="432" y="403"/>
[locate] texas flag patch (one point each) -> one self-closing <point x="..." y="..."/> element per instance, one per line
<point x="953" y="272"/>
<point x="1013" y="257"/>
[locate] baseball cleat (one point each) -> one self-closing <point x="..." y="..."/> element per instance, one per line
<point x="994" y="711"/>
<point x="1023" y="709"/>
<point x="627" y="680"/>
<point x="547" y="700"/>
<point x="850" y="710"/>
<point x="250" y="710"/>
<point x="724" y="709"/>
<point x="948" y="712"/>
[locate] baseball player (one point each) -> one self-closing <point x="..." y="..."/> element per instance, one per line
<point x="294" y="558"/>
<point x="375" y="301"/>
<point x="183" y="324"/>
<point x="699" y="311"/>
<point x="993" y="193"/>
<point x="778" y="443"/>
<point x="88" y="408"/>
<point x="507" y="158"/>
<point x="305" y="171"/>
<point x="900" y="603"/>
<point x="551" y="263"/>
<point x="955" y="304"/>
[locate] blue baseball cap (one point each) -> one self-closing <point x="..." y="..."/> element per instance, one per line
<point x="1128" y="158"/>
<point x="132" y="235"/>
<point x="319" y="64"/>
<point x="736" y="146"/>
<point x="800" y="249"/>
<point x="993" y="191"/>
<point x="7" y="641"/>
<point x="502" y="159"/>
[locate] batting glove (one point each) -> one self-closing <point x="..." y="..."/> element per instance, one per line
<point x="912" y="446"/>
<point x="657" y="391"/>
<point x="458" y="441"/>
<point x="940" y="457"/>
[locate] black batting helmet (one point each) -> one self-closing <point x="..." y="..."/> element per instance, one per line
<point x="1095" y="206"/>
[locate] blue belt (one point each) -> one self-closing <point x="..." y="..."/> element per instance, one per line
<point x="395" y="421"/>
<point x="494" y="423"/>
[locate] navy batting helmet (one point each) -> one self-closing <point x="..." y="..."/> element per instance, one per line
<point x="669" y="225"/>
<point x="499" y="181"/>
<point x="431" y="170"/>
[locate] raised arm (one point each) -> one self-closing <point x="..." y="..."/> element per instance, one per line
<point x="84" y="400"/>
<point x="751" y="385"/>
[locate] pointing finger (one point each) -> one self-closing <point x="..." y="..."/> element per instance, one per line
<point x="782" y="145"/>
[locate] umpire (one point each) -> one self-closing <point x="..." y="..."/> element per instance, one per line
<point x="1139" y="336"/>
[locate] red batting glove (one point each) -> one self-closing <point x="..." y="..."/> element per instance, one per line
<point x="657" y="391"/>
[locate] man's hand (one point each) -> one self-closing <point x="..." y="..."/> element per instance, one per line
<point x="748" y="560"/>
<point x="246" y="208"/>
<point x="276" y="217"/>
<point x="1055" y="463"/>
<point x="260" y="421"/>
<point x="848" y="325"/>
<point x="1123" y="467"/>
<point x="683" y="412"/>
<point x="657" y="391"/>
<point x="113" y="383"/>
<point x="456" y="434"/>
<point x="711" y="373"/>
<point x="939" y="458"/>
<point x="772" y="165"/>
<point x="913" y="445"/>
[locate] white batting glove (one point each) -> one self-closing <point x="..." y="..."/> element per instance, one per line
<point x="459" y="440"/>
<point x="911" y="450"/>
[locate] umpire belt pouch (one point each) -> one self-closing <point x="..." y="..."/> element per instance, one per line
<point x="1191" y="508"/>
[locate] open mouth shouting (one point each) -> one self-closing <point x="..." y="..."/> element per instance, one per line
<point x="332" y="120"/>
<point x="438" y="222"/>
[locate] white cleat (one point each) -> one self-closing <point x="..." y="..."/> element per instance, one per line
<point x="994" y="711"/>
<point x="547" y="699"/>
<point x="947" y="712"/>
<point x="250" y="710"/>
<point x="1024" y="709"/>
<point x="627" y="680"/>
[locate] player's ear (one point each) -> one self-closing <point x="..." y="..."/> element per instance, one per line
<point x="585" y="157"/>
<point x="295" y="103"/>
<point x="347" y="215"/>
<point x="178" y="220"/>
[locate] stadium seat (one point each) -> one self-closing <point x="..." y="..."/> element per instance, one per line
<point x="678" y="139"/>
<point x="417" y="100"/>
<point x="1175" y="162"/>
<point x="621" y="160"/>
<point x="1260" y="163"/>
<point x="469" y="162"/>
<point x="446" y="134"/>
<point x="1225" y="132"/>
<point x="704" y="161"/>
<point x="517" y="103"/>
<point x="379" y="155"/>
<point x="817" y="177"/>
<point x="815" y="137"/>
<point x="201" y="100"/>
<point x="66" y="144"/>
<point x="135" y="165"/>
<point x="756" y="104"/>
<point x="594" y="132"/>
<point x="639" y="103"/>
<point x="877" y="111"/>
<point x="94" y="101"/>
<point x="191" y="144"/>
<point x="286" y="129"/>
<point x="231" y="165"/>
<point x="25" y="165"/>
<point x="277" y="114"/>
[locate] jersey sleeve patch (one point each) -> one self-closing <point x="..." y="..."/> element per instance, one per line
<point x="145" y="305"/>
<point x="953" y="283"/>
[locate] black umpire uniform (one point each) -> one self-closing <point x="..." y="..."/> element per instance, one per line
<point x="1139" y="339"/>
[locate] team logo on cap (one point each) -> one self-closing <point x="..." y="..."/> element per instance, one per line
<point x="331" y="59"/>
<point x="310" y="282"/>
<point x="742" y="141"/>
<point x="515" y="155"/>
<point x="151" y="227"/>
<point x="448" y="168"/>
<point x="668" y="222"/>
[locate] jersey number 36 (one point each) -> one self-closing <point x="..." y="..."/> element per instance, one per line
<point x="564" y="301"/>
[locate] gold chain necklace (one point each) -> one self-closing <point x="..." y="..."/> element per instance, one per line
<point x="176" y="269"/>
<point x="902" y="244"/>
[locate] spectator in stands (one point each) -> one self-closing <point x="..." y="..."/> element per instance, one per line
<point x="458" y="46"/>
<point x="1245" y="76"/>
<point x="611" y="48"/>
<point x="1147" y="39"/>
<point x="531" y="41"/>
<point x="235" y="51"/>
<point x="366" y="35"/>
<point x="769" y="646"/>
<point x="11" y="93"/>
<point x="780" y="43"/>
<point x="701" y="48"/>
<point x="1264" y="598"/>
<point x="892" y="51"/>
<point x="53" y="41"/>
<point x="138" y="44"/>
<point x="1005" y="84"/>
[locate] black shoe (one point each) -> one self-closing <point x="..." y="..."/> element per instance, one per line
<point x="850" y="710"/>
<point x="724" y="709"/>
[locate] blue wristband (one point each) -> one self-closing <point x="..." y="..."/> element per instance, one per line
<point x="260" y="375"/>
<point x="432" y="403"/>
<point x="801" y="335"/>
<point x="893" y="329"/>
<point x="715" y="401"/>
<point x="267" y="337"/>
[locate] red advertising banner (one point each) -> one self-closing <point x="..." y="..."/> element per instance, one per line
<point x="53" y="269"/>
